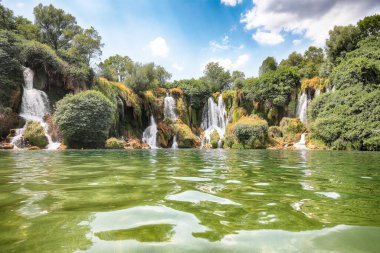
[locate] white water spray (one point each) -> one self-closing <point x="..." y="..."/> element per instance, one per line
<point x="34" y="106"/>
<point x="175" y="144"/>
<point x="214" y="118"/>
<point x="302" y="108"/>
<point x="150" y="134"/>
<point x="170" y="108"/>
<point x="317" y="93"/>
<point x="301" y="144"/>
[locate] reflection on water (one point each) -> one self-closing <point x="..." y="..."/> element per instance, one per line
<point x="189" y="201"/>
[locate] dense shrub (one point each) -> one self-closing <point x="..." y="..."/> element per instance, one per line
<point x="113" y="143"/>
<point x="10" y="71"/>
<point x="291" y="125"/>
<point x="39" y="56"/>
<point x="251" y="132"/>
<point x="347" y="119"/>
<point x="35" y="134"/>
<point x="84" y="119"/>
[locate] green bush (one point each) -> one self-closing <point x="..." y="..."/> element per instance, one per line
<point x="84" y="119"/>
<point x="113" y="143"/>
<point x="39" y="56"/>
<point x="347" y="119"/>
<point x="10" y="71"/>
<point x="35" y="134"/>
<point x="275" y="132"/>
<point x="251" y="132"/>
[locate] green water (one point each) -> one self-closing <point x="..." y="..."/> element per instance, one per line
<point x="189" y="201"/>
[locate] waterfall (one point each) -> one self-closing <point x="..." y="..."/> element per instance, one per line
<point x="317" y="93"/>
<point x="175" y="144"/>
<point x="301" y="144"/>
<point x="34" y="106"/>
<point x="170" y="108"/>
<point x="214" y="117"/>
<point x="150" y="134"/>
<point x="302" y="108"/>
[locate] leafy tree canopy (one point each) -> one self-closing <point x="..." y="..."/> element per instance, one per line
<point x="268" y="64"/>
<point x="216" y="77"/>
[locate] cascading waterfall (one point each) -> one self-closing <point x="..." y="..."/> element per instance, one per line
<point x="302" y="108"/>
<point x="301" y="144"/>
<point x="214" y="118"/>
<point x="150" y="134"/>
<point x="170" y="107"/>
<point x="34" y="106"/>
<point x="175" y="144"/>
<point x="317" y="93"/>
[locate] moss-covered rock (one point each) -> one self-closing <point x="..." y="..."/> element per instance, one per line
<point x="275" y="132"/>
<point x="113" y="143"/>
<point x="293" y="125"/>
<point x="251" y="132"/>
<point x="182" y="111"/>
<point x="35" y="134"/>
<point x="185" y="137"/>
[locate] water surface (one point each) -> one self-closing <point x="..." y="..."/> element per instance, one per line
<point x="189" y="201"/>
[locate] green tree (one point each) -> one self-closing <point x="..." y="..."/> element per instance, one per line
<point x="216" y="77"/>
<point x="360" y="67"/>
<point x="87" y="45"/>
<point x="84" y="119"/>
<point x="294" y="60"/>
<point x="146" y="76"/>
<point x="237" y="79"/>
<point x="116" y="68"/>
<point x="7" y="20"/>
<point x="370" y="25"/>
<point x="26" y="28"/>
<point x="342" y="39"/>
<point x="57" y="28"/>
<point x="196" y="91"/>
<point x="268" y="64"/>
<point x="313" y="58"/>
<point x="275" y="87"/>
<point x="10" y="70"/>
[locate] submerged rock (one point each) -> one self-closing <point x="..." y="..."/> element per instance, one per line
<point x="6" y="146"/>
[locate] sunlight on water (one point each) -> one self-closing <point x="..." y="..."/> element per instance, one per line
<point x="189" y="201"/>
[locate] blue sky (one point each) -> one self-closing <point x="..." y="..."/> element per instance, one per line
<point x="183" y="35"/>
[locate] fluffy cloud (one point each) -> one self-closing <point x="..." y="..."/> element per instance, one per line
<point x="228" y="64"/>
<point x="231" y="2"/>
<point x="313" y="19"/>
<point x="267" y="38"/>
<point x="159" y="47"/>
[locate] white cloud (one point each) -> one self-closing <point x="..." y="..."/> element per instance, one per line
<point x="268" y="38"/>
<point x="223" y="45"/>
<point x="296" y="42"/>
<point x="228" y="64"/>
<point x="313" y="19"/>
<point x="159" y="47"/>
<point x="177" y="67"/>
<point x="231" y="2"/>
